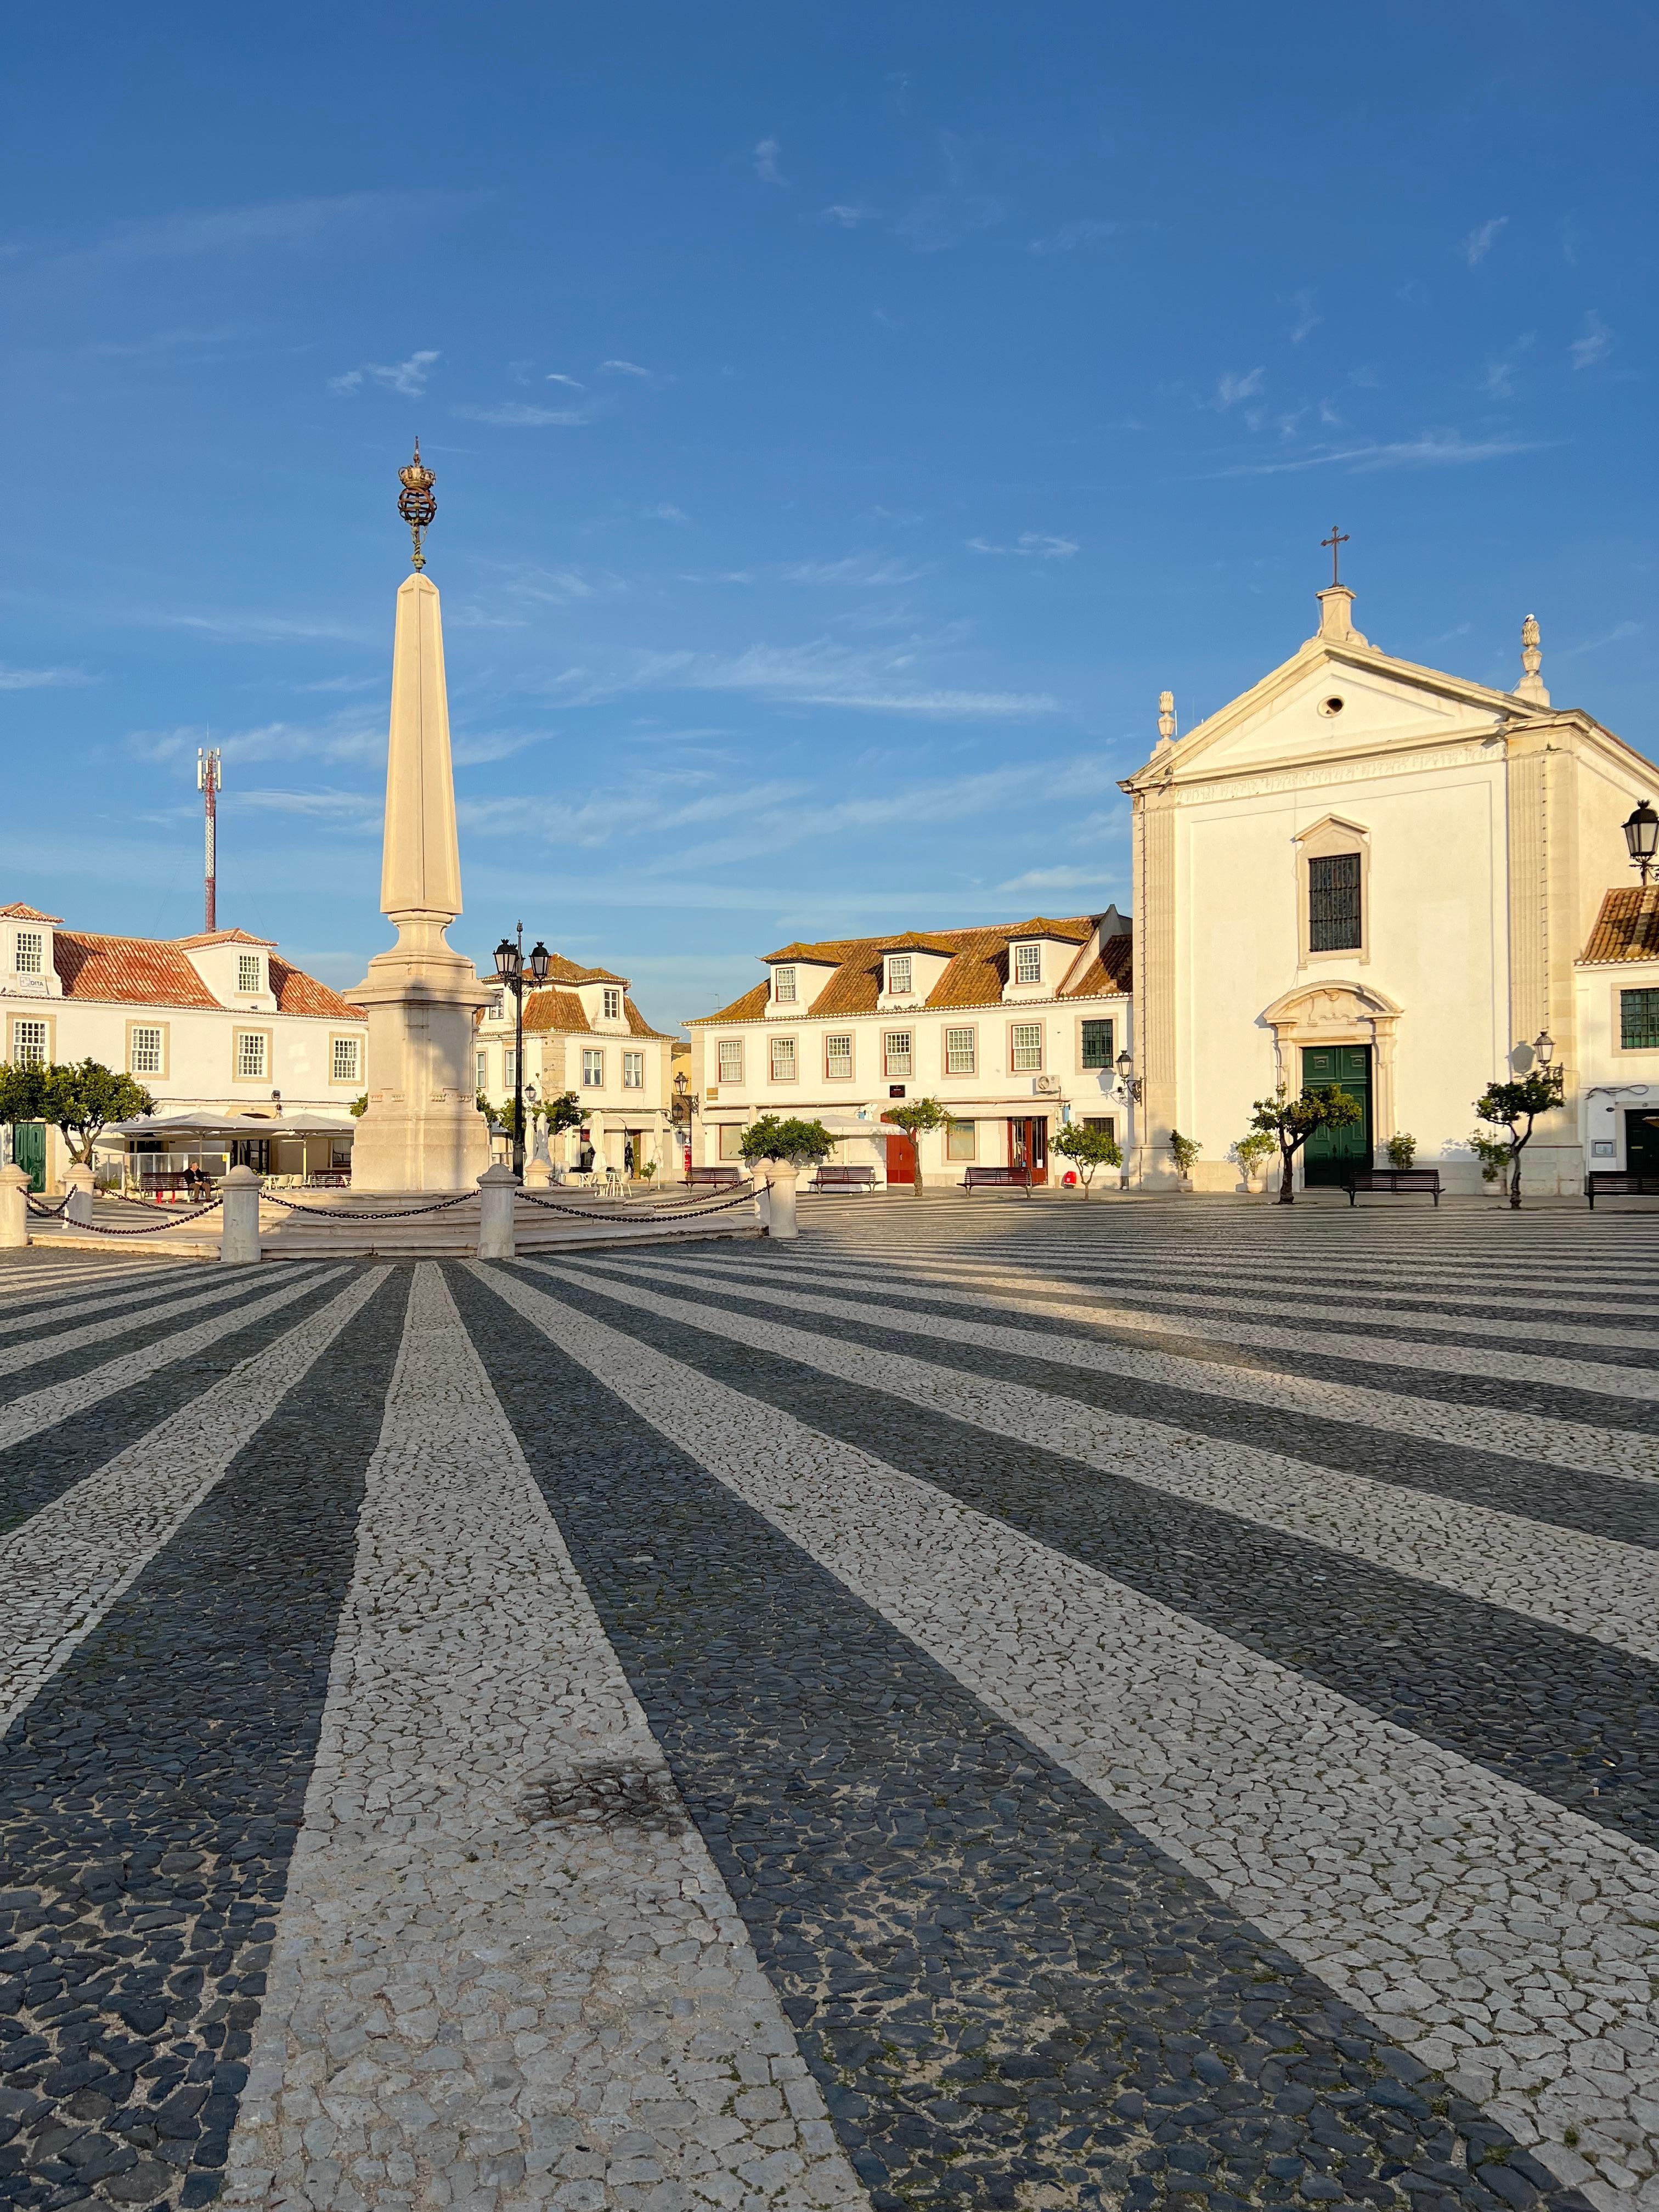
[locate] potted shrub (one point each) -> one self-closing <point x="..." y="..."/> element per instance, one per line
<point x="1253" y="1153"/>
<point x="1401" y="1151"/>
<point x="1183" y="1151"/>
<point x="1514" y="1107"/>
<point x="1493" y="1154"/>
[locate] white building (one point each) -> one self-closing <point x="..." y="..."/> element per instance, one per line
<point x="1015" y="1029"/>
<point x="1366" y="872"/>
<point x="1617" y="993"/>
<point x="218" y="1024"/>
<point x="582" y="1032"/>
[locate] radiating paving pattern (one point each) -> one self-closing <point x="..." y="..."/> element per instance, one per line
<point x="1149" y="1705"/>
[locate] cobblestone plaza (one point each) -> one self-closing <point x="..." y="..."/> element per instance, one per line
<point x="1146" y="1704"/>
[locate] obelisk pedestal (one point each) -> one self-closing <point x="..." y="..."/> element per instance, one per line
<point x="422" y="1130"/>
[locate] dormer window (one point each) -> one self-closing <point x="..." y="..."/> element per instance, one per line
<point x="31" y="958"/>
<point x="1028" y="964"/>
<point x="898" y="974"/>
<point x="247" y="971"/>
<point x="612" y="1004"/>
<point x="783" y="986"/>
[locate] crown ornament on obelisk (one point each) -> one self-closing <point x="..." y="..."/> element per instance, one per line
<point x="416" y="504"/>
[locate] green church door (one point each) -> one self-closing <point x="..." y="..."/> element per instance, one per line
<point x="1330" y="1155"/>
<point x="28" y="1151"/>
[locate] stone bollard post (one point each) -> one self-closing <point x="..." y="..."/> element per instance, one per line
<point x="14" y="1209"/>
<point x="780" y="1211"/>
<point x="238" y="1236"/>
<point x="77" y="1182"/>
<point x="498" y="1189"/>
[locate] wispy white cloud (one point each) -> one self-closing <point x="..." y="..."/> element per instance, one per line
<point x="1231" y="388"/>
<point x="823" y="673"/>
<point x="1306" y="319"/>
<point x="1434" y="449"/>
<point x="519" y="414"/>
<point x="1086" y="231"/>
<point x="345" y="809"/>
<point x="766" y="162"/>
<point x="275" y="222"/>
<point x="166" y="341"/>
<point x="1595" y="341"/>
<point x="1616" y="636"/>
<point x="245" y="626"/>
<point x="1056" y="879"/>
<point x="1498" y="381"/>
<point x="554" y="377"/>
<point x="1030" y="545"/>
<point x="848" y="216"/>
<point x="344" y="683"/>
<point x="938" y="221"/>
<point x="44" y="679"/>
<point x="1479" y="243"/>
<point x="408" y="377"/>
<point x="665" y="511"/>
<point x="865" y="571"/>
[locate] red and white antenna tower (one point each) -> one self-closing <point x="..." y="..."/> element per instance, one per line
<point x="208" y="779"/>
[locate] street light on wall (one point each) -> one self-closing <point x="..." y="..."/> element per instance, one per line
<point x="1127" y="1076"/>
<point x="1641" y="837"/>
<point x="510" y="965"/>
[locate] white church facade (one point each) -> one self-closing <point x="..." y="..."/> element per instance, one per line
<point x="1367" y="871"/>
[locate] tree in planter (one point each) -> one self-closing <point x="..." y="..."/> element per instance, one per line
<point x="1253" y="1152"/>
<point x="83" y="1099"/>
<point x="1515" y="1107"/>
<point x="1088" y="1149"/>
<point x="1183" y="1151"/>
<point x="1401" y="1151"/>
<point x="1291" y="1121"/>
<point x="1493" y="1154"/>
<point x="915" y="1116"/>
<point x="803" y="1144"/>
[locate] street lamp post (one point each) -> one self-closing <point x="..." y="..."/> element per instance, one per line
<point x="685" y="1105"/>
<point x="1641" y="838"/>
<point x="510" y="967"/>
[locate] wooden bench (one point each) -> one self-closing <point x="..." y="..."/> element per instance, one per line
<point x="843" y="1178"/>
<point x="715" y="1177"/>
<point x="1398" y="1182"/>
<point x="980" y="1178"/>
<point x="1620" y="1182"/>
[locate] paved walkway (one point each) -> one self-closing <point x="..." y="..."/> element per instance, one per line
<point x="1143" y="1705"/>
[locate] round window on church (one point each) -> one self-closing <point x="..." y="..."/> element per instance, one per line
<point x="1330" y="706"/>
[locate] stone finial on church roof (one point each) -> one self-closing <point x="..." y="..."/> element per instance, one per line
<point x="1166" y="717"/>
<point x="1531" y="685"/>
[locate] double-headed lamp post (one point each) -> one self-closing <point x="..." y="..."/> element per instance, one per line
<point x="510" y="967"/>
<point x="1641" y="838"/>
<point x="686" y="1105"/>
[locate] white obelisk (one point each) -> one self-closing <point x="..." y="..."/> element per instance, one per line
<point x="422" y="1130"/>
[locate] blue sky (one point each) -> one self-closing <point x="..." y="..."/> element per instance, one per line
<point x="845" y="422"/>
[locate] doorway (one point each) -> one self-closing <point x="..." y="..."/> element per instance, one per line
<point x="1641" y="1141"/>
<point x="901" y="1158"/>
<point x="1331" y="1156"/>
<point x="28" y="1152"/>
<point x="1028" y="1146"/>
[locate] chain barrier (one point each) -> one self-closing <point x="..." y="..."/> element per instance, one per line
<point x="352" y="1213"/>
<point x="150" y="1228"/>
<point x="47" y="1212"/>
<point x="672" y="1213"/>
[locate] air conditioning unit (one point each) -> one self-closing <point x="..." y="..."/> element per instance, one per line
<point x="1046" y="1086"/>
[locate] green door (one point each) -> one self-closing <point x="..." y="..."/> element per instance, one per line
<point x="1642" y="1141"/>
<point x="28" y="1151"/>
<point x="1332" y="1154"/>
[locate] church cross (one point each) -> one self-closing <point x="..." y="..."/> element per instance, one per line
<point x="1336" y="541"/>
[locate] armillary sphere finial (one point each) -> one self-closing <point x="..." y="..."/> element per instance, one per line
<point x="415" y="502"/>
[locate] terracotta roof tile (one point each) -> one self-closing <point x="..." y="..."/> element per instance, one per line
<point x="546" y="1011"/>
<point x="975" y="976"/>
<point x="18" y="911"/>
<point x="297" y="992"/>
<point x="1627" y="927"/>
<point x="220" y="937"/>
<point x="133" y="971"/>
<point x="1111" y="969"/>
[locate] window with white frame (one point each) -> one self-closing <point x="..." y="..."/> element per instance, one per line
<point x="633" y="1071"/>
<point x="899" y="971"/>
<point x="593" y="1069"/>
<point x="1025" y="1046"/>
<point x="731" y="1144"/>
<point x="31" y="955"/>
<point x="730" y="1052"/>
<point x="612" y="1002"/>
<point x="28" y="1043"/>
<point x="895" y="1053"/>
<point x="146" y="1050"/>
<point x="783" y="1058"/>
<point x="783" y="986"/>
<point x="960" y="1054"/>
<point x="838" y="1056"/>
<point x="480" y="1071"/>
<point x="497" y="1004"/>
<point x="962" y="1141"/>
<point x="510" y="1067"/>
<point x="253" y="1055"/>
<point x="247" y="971"/>
<point x="347" y="1059"/>
<point x="1028" y="964"/>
